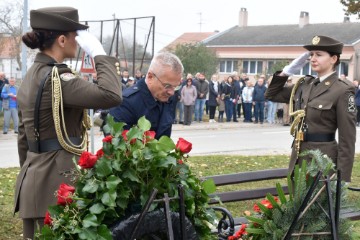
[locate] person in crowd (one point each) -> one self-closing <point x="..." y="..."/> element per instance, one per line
<point x="130" y="82"/>
<point x="9" y="104"/>
<point x="125" y="77"/>
<point x="247" y="96"/>
<point x="357" y="102"/>
<point x="202" y="88"/>
<point x="321" y="105"/>
<point x="188" y="98"/>
<point x="237" y="86"/>
<point x="138" y="76"/>
<point x="271" y="108"/>
<point x="45" y="153"/>
<point x="151" y="97"/>
<point x="3" y="81"/>
<point x="259" y="100"/>
<point x="213" y="96"/>
<point x="287" y="118"/>
<point x="179" y="111"/>
<point x="230" y="97"/>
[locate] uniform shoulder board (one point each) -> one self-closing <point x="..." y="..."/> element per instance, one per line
<point x="130" y="91"/>
<point x="65" y="73"/>
<point x="347" y="82"/>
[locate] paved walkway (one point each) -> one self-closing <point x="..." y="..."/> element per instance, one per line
<point x="8" y="142"/>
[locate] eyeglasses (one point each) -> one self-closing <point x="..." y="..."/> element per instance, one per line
<point x="165" y="85"/>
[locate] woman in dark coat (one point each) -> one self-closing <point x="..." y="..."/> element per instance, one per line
<point x="213" y="96"/>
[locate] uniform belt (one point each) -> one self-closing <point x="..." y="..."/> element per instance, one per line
<point x="319" y="137"/>
<point x="49" y="145"/>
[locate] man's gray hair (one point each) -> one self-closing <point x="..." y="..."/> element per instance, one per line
<point x="167" y="60"/>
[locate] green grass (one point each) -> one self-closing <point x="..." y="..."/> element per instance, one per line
<point x="10" y="227"/>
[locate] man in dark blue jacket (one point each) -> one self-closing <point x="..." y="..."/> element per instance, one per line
<point x="259" y="100"/>
<point x="151" y="97"/>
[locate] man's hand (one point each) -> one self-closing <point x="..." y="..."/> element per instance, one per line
<point x="89" y="43"/>
<point x="296" y="65"/>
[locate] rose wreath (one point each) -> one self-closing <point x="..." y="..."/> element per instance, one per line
<point x="119" y="178"/>
<point x="274" y="215"/>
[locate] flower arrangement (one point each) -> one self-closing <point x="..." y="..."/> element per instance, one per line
<point x="274" y="215"/>
<point x="118" y="180"/>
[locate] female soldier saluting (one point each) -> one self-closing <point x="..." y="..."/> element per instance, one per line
<point x="52" y="108"/>
<point x="321" y="106"/>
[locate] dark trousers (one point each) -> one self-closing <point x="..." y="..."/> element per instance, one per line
<point x="229" y="106"/>
<point x="238" y="109"/>
<point x="212" y="112"/>
<point x="30" y="225"/>
<point x="188" y="112"/>
<point x="358" y="114"/>
<point x="234" y="112"/>
<point x="259" y="111"/>
<point x="247" y="111"/>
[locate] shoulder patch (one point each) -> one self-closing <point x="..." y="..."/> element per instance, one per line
<point x="130" y="91"/>
<point x="67" y="76"/>
<point x="351" y="104"/>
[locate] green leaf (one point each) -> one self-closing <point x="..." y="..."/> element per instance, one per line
<point x="131" y="174"/>
<point x="281" y="193"/>
<point x="165" y="144"/>
<point x="87" y="234"/>
<point x="272" y="201"/>
<point x="134" y="133"/>
<point x="108" y="198"/>
<point x="103" y="168"/>
<point x="256" y="231"/>
<point x="104" y="233"/>
<point x="97" y="208"/>
<point x="255" y="220"/>
<point x="209" y="186"/>
<point x="165" y="162"/>
<point x="112" y="182"/>
<point x="265" y="210"/>
<point x="144" y="124"/>
<point x="91" y="186"/>
<point x="90" y="220"/>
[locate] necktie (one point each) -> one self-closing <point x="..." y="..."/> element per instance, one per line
<point x="316" y="82"/>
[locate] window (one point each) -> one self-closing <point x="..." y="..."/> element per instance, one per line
<point x="343" y="68"/>
<point x="253" y="66"/>
<point x="228" y="66"/>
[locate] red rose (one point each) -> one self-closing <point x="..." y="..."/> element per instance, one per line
<point x="183" y="146"/>
<point x="87" y="160"/>
<point x="123" y="134"/>
<point x="107" y="139"/>
<point x="99" y="153"/>
<point x="256" y="208"/>
<point x="267" y="203"/>
<point x="47" y="220"/>
<point x="64" y="194"/>
<point x="180" y="161"/>
<point x="148" y="136"/>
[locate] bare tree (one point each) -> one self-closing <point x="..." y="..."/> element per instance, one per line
<point x="11" y="18"/>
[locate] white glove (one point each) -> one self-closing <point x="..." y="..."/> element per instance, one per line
<point x="296" y="65"/>
<point x="89" y="43"/>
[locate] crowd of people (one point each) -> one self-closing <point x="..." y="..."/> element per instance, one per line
<point x="235" y="96"/>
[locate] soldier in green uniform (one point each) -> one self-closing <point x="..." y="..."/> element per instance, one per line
<point x="53" y="102"/>
<point x="321" y="106"/>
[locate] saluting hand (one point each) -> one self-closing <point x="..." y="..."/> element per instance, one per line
<point x="296" y="65"/>
<point x="89" y="43"/>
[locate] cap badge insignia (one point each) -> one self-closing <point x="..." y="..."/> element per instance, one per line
<point x="316" y="40"/>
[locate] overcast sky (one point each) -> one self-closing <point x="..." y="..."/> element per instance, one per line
<point x="172" y="18"/>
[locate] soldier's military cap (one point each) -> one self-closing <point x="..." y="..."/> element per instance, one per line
<point x="324" y="43"/>
<point x="56" y="18"/>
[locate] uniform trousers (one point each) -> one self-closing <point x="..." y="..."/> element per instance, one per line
<point x="30" y="226"/>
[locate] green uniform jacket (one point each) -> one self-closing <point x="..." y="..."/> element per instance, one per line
<point x="42" y="173"/>
<point x="330" y="108"/>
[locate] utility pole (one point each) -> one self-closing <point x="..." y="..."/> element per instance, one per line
<point x="201" y="22"/>
<point x="23" y="47"/>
